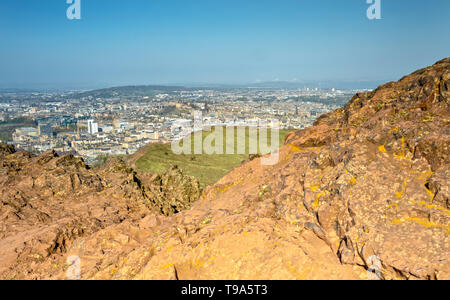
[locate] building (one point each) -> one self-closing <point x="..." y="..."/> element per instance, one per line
<point x="28" y="131"/>
<point x="107" y="128"/>
<point x="25" y="133"/>
<point x="92" y="127"/>
<point x="45" y="129"/>
<point x="123" y="125"/>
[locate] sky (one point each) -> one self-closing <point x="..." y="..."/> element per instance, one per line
<point x="119" y="42"/>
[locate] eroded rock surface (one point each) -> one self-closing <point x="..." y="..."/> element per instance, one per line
<point x="47" y="202"/>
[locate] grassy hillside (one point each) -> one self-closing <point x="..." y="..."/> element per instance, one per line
<point x="208" y="169"/>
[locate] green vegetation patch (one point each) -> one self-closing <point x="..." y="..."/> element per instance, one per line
<point x="208" y="169"/>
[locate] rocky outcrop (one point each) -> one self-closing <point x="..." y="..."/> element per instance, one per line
<point x="172" y="192"/>
<point x="47" y="202"/>
<point x="365" y="187"/>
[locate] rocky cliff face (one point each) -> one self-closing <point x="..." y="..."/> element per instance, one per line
<point x="366" y="186"/>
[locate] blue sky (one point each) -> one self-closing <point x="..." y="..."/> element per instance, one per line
<point x="120" y="42"/>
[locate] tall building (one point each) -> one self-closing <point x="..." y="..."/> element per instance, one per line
<point x="92" y="127"/>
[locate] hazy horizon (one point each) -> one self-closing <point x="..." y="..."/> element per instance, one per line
<point x="276" y="84"/>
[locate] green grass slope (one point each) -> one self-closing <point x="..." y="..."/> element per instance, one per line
<point x="208" y="169"/>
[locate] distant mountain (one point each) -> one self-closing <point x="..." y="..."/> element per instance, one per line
<point x="317" y="84"/>
<point x="16" y="91"/>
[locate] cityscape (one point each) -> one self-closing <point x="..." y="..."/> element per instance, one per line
<point x="114" y="122"/>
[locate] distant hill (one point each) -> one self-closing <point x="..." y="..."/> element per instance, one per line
<point x="132" y="90"/>
<point x="16" y="91"/>
<point x="150" y="90"/>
